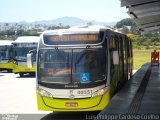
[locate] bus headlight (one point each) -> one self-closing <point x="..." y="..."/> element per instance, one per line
<point x="99" y="92"/>
<point x="44" y="93"/>
<point x="15" y="62"/>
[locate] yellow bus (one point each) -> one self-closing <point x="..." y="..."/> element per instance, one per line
<point x="22" y="45"/>
<point x="80" y="68"/>
<point x="6" y="55"/>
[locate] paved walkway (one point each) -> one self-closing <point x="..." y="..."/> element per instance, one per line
<point x="150" y="100"/>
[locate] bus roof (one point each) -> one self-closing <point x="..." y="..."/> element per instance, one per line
<point x="5" y="42"/>
<point x="77" y="29"/>
<point x="27" y="39"/>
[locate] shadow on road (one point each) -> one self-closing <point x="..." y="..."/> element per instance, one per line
<point x="70" y="116"/>
<point x="26" y="76"/>
<point x="5" y="71"/>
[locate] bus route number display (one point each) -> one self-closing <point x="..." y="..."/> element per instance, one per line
<point x="87" y="38"/>
<point x="74" y="37"/>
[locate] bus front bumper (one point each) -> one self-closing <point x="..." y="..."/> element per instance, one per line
<point x="23" y="69"/>
<point x="6" y="66"/>
<point x="66" y="105"/>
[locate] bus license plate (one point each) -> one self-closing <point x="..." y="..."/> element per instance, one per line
<point x="71" y="104"/>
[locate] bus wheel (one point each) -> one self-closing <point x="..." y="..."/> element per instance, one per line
<point x="21" y="74"/>
<point x="32" y="74"/>
<point x="10" y="70"/>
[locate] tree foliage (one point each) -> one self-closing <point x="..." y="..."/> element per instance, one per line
<point x="60" y="26"/>
<point x="140" y="41"/>
<point x="125" y="22"/>
<point x="32" y="32"/>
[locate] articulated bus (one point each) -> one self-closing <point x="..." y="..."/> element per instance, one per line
<point x="22" y="45"/>
<point x="80" y="68"/>
<point x="6" y="55"/>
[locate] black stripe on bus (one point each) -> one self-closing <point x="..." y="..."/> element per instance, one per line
<point x="63" y="86"/>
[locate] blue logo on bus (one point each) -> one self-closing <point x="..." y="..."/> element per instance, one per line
<point x="84" y="77"/>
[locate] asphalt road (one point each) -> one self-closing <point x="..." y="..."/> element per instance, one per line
<point x="18" y="101"/>
<point x="18" y="96"/>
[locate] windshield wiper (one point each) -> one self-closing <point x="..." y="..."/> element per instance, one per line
<point x="20" y="59"/>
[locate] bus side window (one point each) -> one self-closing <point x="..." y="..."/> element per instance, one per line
<point x="113" y="45"/>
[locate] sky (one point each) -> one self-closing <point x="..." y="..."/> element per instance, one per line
<point x="37" y="10"/>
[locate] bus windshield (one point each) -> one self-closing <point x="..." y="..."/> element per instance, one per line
<point x="6" y="52"/>
<point x="22" y="51"/>
<point x="72" y="66"/>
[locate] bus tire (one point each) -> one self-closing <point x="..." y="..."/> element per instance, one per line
<point x="32" y="74"/>
<point x="21" y="74"/>
<point x="10" y="70"/>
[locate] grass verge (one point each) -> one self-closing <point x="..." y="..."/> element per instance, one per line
<point x="141" y="57"/>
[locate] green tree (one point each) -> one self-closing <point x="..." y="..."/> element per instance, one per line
<point x="60" y="26"/>
<point x="32" y="32"/>
<point x="125" y="30"/>
<point x="2" y="33"/>
<point x="20" y="32"/>
<point x="89" y="23"/>
<point x="125" y="22"/>
<point x="9" y="32"/>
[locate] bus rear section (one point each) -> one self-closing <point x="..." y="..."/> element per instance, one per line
<point x="21" y="47"/>
<point x="6" y="55"/>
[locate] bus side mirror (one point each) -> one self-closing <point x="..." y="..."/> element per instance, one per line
<point x="29" y="60"/>
<point x="115" y="58"/>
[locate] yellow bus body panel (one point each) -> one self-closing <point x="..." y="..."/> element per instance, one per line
<point x="59" y="105"/>
<point x="8" y="65"/>
<point x="23" y="69"/>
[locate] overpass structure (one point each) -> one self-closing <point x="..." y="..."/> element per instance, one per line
<point x="146" y="13"/>
<point x="140" y="96"/>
